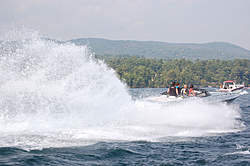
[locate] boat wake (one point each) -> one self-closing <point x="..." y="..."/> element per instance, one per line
<point x="56" y="94"/>
<point x="244" y="92"/>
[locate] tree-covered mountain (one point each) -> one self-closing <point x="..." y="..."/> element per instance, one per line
<point x="164" y="50"/>
<point x="154" y="73"/>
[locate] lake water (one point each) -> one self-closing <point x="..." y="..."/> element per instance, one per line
<point x="217" y="135"/>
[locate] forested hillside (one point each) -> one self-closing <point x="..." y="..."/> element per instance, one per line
<point x="153" y="73"/>
<point x="156" y="64"/>
<point x="164" y="50"/>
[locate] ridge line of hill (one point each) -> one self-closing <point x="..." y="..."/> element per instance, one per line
<point x="157" y="49"/>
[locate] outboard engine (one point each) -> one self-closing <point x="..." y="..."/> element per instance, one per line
<point x="201" y="92"/>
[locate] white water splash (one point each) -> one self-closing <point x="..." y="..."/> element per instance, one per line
<point x="241" y="150"/>
<point x="56" y="94"/>
<point x="244" y="92"/>
<point x="45" y="84"/>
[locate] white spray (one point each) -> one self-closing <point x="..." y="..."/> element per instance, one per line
<point x="56" y="94"/>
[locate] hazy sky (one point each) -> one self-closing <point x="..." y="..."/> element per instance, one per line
<point x="179" y="21"/>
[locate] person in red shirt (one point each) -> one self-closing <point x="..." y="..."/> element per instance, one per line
<point x="191" y="91"/>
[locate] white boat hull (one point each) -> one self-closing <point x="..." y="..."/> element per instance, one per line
<point x="234" y="90"/>
<point x="231" y="86"/>
<point x="222" y="96"/>
<point x="207" y="96"/>
<point x="165" y="98"/>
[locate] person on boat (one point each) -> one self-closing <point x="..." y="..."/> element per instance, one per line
<point x="173" y="91"/>
<point x="177" y="86"/>
<point x="184" y="91"/>
<point x="191" y="91"/>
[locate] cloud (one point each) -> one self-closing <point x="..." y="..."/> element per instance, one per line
<point x="138" y="24"/>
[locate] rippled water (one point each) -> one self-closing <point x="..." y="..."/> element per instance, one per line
<point x="222" y="148"/>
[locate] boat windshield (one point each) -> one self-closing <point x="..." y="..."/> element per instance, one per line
<point x="228" y="84"/>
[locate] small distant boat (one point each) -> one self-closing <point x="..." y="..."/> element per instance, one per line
<point x="231" y="86"/>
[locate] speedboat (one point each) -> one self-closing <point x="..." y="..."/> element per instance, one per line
<point x="223" y="96"/>
<point x="200" y="93"/>
<point x="231" y="86"/>
<point x="165" y="98"/>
